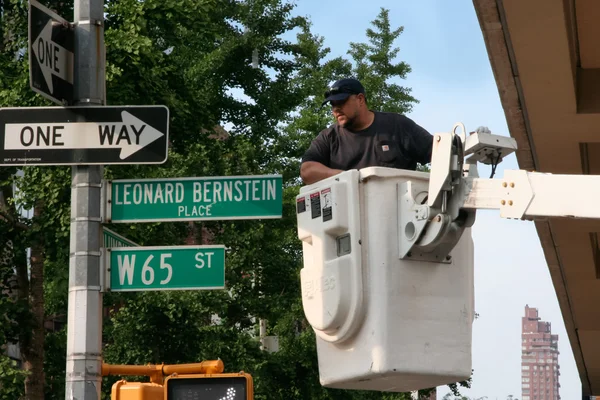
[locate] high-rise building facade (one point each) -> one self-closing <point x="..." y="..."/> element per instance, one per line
<point x="539" y="359"/>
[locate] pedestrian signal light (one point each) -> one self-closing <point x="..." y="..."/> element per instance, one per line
<point x="209" y="387"/>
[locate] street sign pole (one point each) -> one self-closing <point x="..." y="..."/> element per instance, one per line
<point x="84" y="332"/>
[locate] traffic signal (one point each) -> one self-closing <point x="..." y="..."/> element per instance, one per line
<point x="199" y="381"/>
<point x="236" y="386"/>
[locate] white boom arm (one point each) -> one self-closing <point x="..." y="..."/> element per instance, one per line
<point x="528" y="195"/>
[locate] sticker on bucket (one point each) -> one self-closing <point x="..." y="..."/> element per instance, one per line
<point x="327" y="204"/>
<point x="315" y="205"/>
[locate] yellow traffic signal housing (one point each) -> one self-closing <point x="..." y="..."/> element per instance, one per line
<point x="199" y="381"/>
<point x="209" y="387"/>
<point x="123" y="390"/>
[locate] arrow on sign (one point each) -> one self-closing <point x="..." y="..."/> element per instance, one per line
<point x="130" y="135"/>
<point x="53" y="58"/>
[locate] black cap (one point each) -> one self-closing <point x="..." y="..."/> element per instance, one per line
<point x="343" y="89"/>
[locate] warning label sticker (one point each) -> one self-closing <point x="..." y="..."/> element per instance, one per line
<point x="315" y="205"/>
<point x="327" y="204"/>
<point x="300" y="205"/>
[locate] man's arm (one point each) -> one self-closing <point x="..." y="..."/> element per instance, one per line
<point x="316" y="160"/>
<point x="313" y="171"/>
<point x="421" y="143"/>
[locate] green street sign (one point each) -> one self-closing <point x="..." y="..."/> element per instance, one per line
<point x="113" y="239"/>
<point x="166" y="268"/>
<point x="194" y="199"/>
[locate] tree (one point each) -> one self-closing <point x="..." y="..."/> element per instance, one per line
<point x="195" y="57"/>
<point x="27" y="288"/>
<point x="12" y="310"/>
<point x="450" y="396"/>
<point x="373" y="63"/>
<point x="182" y="54"/>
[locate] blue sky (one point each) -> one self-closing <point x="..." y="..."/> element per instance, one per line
<point x="453" y="81"/>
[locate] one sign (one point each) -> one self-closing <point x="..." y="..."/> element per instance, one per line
<point x="84" y="135"/>
<point x="194" y="199"/>
<point x="112" y="239"/>
<point x="51" y="50"/>
<point x="166" y="268"/>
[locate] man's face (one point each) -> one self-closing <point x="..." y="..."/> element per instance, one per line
<point x="346" y="111"/>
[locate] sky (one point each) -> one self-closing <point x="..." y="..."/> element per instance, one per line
<point x="452" y="78"/>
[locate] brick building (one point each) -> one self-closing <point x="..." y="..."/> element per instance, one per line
<point x="539" y="359"/>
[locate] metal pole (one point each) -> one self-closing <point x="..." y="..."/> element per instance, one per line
<point x="84" y="332"/>
<point x="262" y="323"/>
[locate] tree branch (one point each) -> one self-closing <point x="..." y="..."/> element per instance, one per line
<point x="4" y="216"/>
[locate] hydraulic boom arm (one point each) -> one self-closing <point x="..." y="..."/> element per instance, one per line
<point x="530" y="195"/>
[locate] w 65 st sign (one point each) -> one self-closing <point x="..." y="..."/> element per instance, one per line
<point x="166" y="268"/>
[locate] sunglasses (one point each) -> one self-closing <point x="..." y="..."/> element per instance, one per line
<point x="337" y="90"/>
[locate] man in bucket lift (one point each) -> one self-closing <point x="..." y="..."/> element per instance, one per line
<point x="363" y="138"/>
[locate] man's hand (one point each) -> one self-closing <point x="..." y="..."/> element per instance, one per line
<point x="312" y="171"/>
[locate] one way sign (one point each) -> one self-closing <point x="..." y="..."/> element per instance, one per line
<point x="84" y="135"/>
<point x="51" y="45"/>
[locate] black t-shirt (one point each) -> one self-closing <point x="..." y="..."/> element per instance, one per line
<point x="392" y="140"/>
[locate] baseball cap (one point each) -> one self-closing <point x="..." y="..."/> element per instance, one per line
<point x="342" y="89"/>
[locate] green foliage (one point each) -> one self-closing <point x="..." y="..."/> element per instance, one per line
<point x="375" y="64"/>
<point x="455" y="396"/>
<point x="14" y="313"/>
<point x="55" y="359"/>
<point x="11" y="310"/>
<point x="12" y="379"/>
<point x="195" y="57"/>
